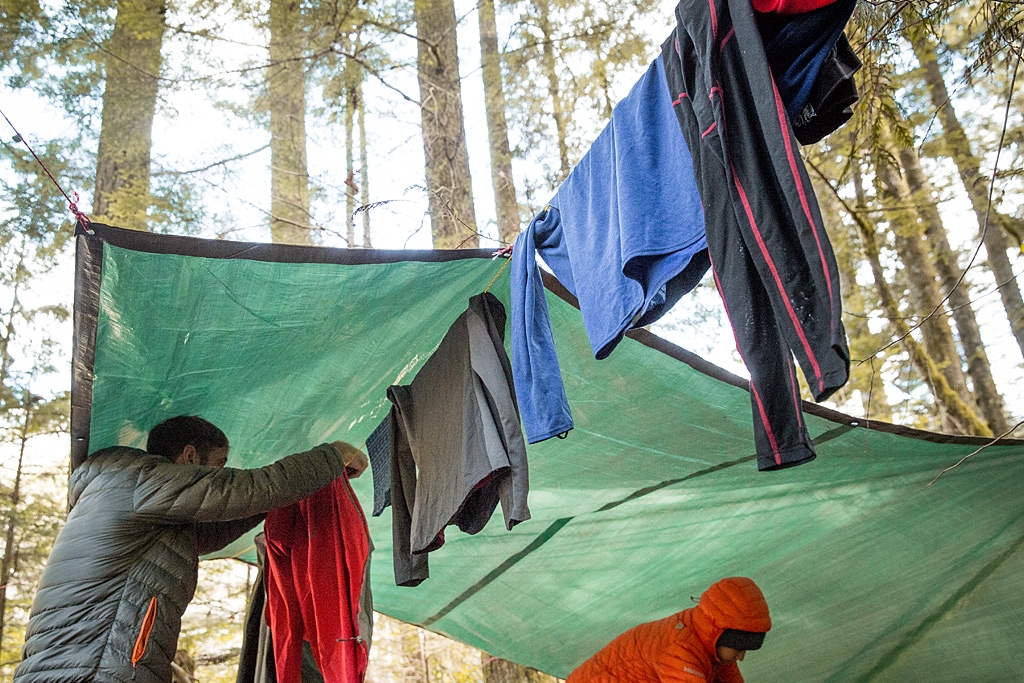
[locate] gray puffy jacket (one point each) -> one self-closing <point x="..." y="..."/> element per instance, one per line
<point x="128" y="554"/>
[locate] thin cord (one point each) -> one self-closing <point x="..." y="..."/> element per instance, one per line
<point x="988" y="211"/>
<point x="979" y="450"/>
<point x="72" y="203"/>
<point x="505" y="265"/>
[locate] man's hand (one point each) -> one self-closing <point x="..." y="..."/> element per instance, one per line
<point x="356" y="461"/>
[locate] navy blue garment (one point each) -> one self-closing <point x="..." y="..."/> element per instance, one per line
<point x="624" y="233"/>
<point x="831" y="101"/>
<point x="797" y="46"/>
<point x="772" y="258"/>
<point x="378" y="450"/>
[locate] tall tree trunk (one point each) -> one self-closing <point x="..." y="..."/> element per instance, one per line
<point x="959" y="149"/>
<point x="7" y="338"/>
<point x="858" y="301"/>
<point x="364" y="169"/>
<point x="964" y="418"/>
<point x="449" y="185"/>
<point x="498" y="670"/>
<point x="286" y="84"/>
<point x="133" y="62"/>
<point x="7" y="565"/>
<point x="497" y="128"/>
<point x="351" y="189"/>
<point x="557" y="110"/>
<point x="923" y="196"/>
<point x="923" y="290"/>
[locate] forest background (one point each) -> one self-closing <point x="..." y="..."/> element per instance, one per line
<point x="449" y="124"/>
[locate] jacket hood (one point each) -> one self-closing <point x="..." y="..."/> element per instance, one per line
<point x="735" y="602"/>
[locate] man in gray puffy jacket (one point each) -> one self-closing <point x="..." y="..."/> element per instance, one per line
<point x="109" y="604"/>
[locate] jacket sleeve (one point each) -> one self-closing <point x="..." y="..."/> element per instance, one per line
<point x="182" y="494"/>
<point x="490" y="362"/>
<point x="410" y="569"/>
<point x="213" y="536"/>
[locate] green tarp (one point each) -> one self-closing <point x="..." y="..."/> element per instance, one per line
<point x="870" y="574"/>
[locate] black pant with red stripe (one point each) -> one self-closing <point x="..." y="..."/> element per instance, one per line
<point x="772" y="259"/>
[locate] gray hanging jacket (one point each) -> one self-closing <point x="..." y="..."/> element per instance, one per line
<point x="457" y="449"/>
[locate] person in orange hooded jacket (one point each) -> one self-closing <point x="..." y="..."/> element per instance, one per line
<point x="698" y="645"/>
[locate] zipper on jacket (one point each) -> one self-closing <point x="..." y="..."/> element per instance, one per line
<point x="143" y="640"/>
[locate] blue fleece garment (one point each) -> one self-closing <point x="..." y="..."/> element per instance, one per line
<point x="796" y="53"/>
<point x="624" y="233"/>
<point x="543" y="406"/>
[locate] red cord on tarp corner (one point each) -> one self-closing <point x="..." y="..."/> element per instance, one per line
<point x="504" y="251"/>
<point x="82" y="219"/>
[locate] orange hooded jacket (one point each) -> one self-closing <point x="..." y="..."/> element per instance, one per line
<point x="681" y="648"/>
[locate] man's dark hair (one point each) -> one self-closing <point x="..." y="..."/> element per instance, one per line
<point x="170" y="437"/>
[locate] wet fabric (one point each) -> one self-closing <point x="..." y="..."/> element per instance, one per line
<point x="318" y="551"/>
<point x="624" y="233"/>
<point x="772" y="258"/>
<point x="457" y="447"/>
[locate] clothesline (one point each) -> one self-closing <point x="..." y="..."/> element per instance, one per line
<point x="72" y="203"/>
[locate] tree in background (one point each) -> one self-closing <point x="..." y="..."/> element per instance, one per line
<point x="211" y="628"/>
<point x="502" y="180"/>
<point x="34" y="231"/>
<point x="286" y="91"/>
<point x="923" y="291"/>
<point x="346" y="53"/>
<point x="957" y="146"/>
<point x="32" y="510"/>
<point x="449" y="185"/>
<point x="132" y="78"/>
<point x="575" y="51"/>
<point x="498" y="670"/>
<point x="924" y="200"/>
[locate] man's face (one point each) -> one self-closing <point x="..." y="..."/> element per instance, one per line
<point x="216" y="457"/>
<point x="728" y="655"/>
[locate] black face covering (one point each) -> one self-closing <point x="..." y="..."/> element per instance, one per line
<point x="740" y="640"/>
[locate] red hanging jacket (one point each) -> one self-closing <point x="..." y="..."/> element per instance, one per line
<point x="317" y="562"/>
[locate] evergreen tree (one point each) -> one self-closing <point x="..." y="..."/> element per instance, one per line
<point x="34" y="232"/>
<point x="449" y="184"/>
<point x="286" y="91"/>
<point x="575" y="51"/>
<point x="502" y="180"/>
<point x="132" y="67"/>
<point x="957" y="147"/>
